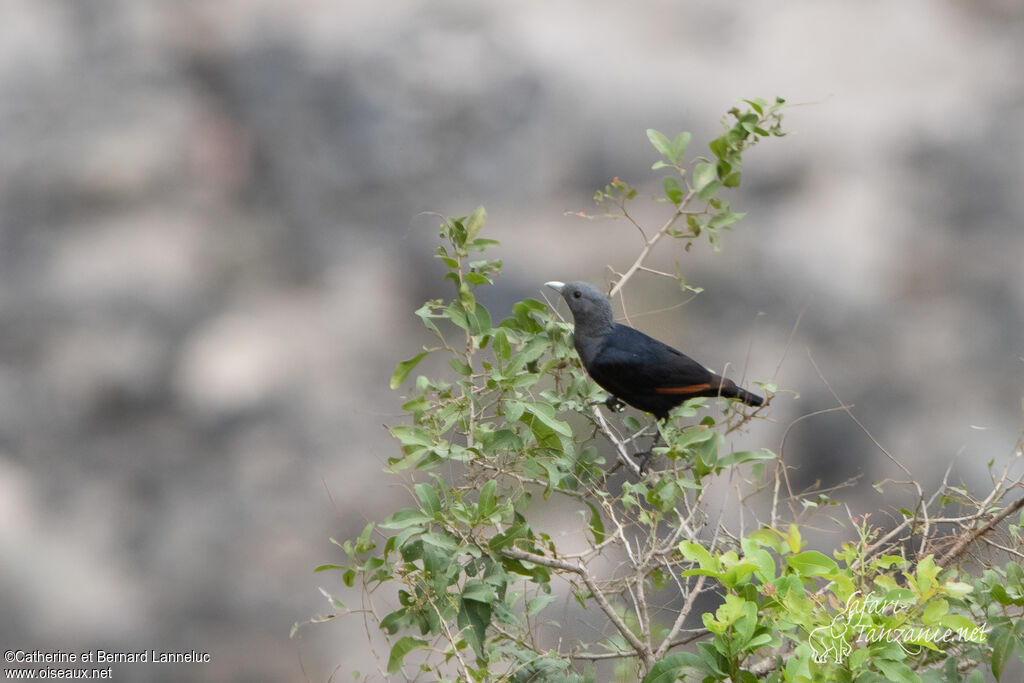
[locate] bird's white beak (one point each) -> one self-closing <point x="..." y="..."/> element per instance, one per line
<point x="555" y="285"/>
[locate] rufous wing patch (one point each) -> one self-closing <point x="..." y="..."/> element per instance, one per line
<point x="689" y="389"/>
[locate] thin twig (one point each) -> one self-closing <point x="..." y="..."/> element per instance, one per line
<point x="648" y="245"/>
<point x="677" y="625"/>
<point x="846" y="409"/>
<point x="624" y="455"/>
<point x="969" y="538"/>
<point x="1011" y="551"/>
<point x="595" y="590"/>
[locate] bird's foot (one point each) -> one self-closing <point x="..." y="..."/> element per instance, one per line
<point x="643" y="459"/>
<point x="614" y="404"/>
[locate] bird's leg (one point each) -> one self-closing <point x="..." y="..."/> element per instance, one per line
<point x="614" y="404"/>
<point x="643" y="458"/>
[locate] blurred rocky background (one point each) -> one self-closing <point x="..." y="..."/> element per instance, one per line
<point x="212" y="239"/>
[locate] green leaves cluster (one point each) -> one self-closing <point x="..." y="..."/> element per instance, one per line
<point x="502" y="418"/>
<point x="503" y="423"/>
<point x="463" y="553"/>
<point x="741" y="130"/>
<point x="897" y="621"/>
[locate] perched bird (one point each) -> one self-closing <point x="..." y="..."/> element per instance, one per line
<point x="633" y="367"/>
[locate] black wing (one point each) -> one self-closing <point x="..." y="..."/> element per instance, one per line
<point x="648" y="374"/>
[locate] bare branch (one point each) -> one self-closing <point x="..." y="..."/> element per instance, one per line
<point x="648" y="245"/>
<point x="677" y="625"/>
<point x="595" y="590"/>
<point x="968" y="538"/>
<point x="620" y="446"/>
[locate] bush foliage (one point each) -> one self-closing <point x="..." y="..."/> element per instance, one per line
<point x="475" y="575"/>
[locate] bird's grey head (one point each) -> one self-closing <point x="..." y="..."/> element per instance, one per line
<point x="591" y="310"/>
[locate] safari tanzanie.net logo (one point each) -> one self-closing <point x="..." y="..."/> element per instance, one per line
<point x="868" y="619"/>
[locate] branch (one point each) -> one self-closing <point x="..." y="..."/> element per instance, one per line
<point x="669" y="641"/>
<point x="846" y="409"/>
<point x="648" y="245"/>
<point x="696" y="635"/>
<point x="453" y="641"/>
<point x="602" y="600"/>
<point x="969" y="538"/>
<point x="620" y="446"/>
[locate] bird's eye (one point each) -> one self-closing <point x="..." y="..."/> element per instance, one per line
<point x="577" y="294"/>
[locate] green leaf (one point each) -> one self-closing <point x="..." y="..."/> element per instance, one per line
<point x="976" y="677"/>
<point x="477" y="616"/>
<point x="596" y="525"/>
<point x="400" y="649"/>
<point x="762" y="559"/>
<point x="502" y="349"/>
<point x="740" y="457"/>
<point x="514" y="535"/>
<point x="897" y="672"/>
<point x="549" y="431"/>
<point x="673" y="191"/>
<point x="441" y="542"/>
<point x="404" y="368"/>
<point x="1002" y="641"/>
<point x="479" y="319"/>
<point x="460" y="367"/>
<point x="700" y="555"/>
<point x="475" y="222"/>
<point x="757" y="104"/>
<point x="719" y="146"/>
<point x="738" y="573"/>
<point x="480" y="244"/>
<point x="926" y="573"/>
<point x="724" y="219"/>
<point x="703" y="174"/>
<point x="426" y="314"/>
<point x="732" y="609"/>
<point x="759" y="641"/>
<point x="672" y="150"/>
<point x="405" y="518"/>
<point x="327" y="567"/>
<point x="479" y="591"/>
<point x="666" y="670"/>
<point x="1000" y="594"/>
<point x="546" y="414"/>
<point x="957" y="589"/>
<point x="486" y="504"/>
<point x="679" y="146"/>
<point x="744" y="627"/>
<point x="660" y="142"/>
<point x="709" y="191"/>
<point x="934" y="610"/>
<point x="1014" y="575"/>
<point x="793" y="539"/>
<point x="701" y="572"/>
<point x="503" y="439"/>
<point x="455" y="230"/>
<point x="957" y="622"/>
<point x="692" y="435"/>
<point x="429" y="502"/>
<point x="767" y="537"/>
<point x="812" y="563"/>
<point x="732" y="179"/>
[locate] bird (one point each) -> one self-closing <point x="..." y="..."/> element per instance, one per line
<point x="634" y="367"/>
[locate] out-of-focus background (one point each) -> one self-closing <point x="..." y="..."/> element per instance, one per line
<point x="212" y="240"/>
